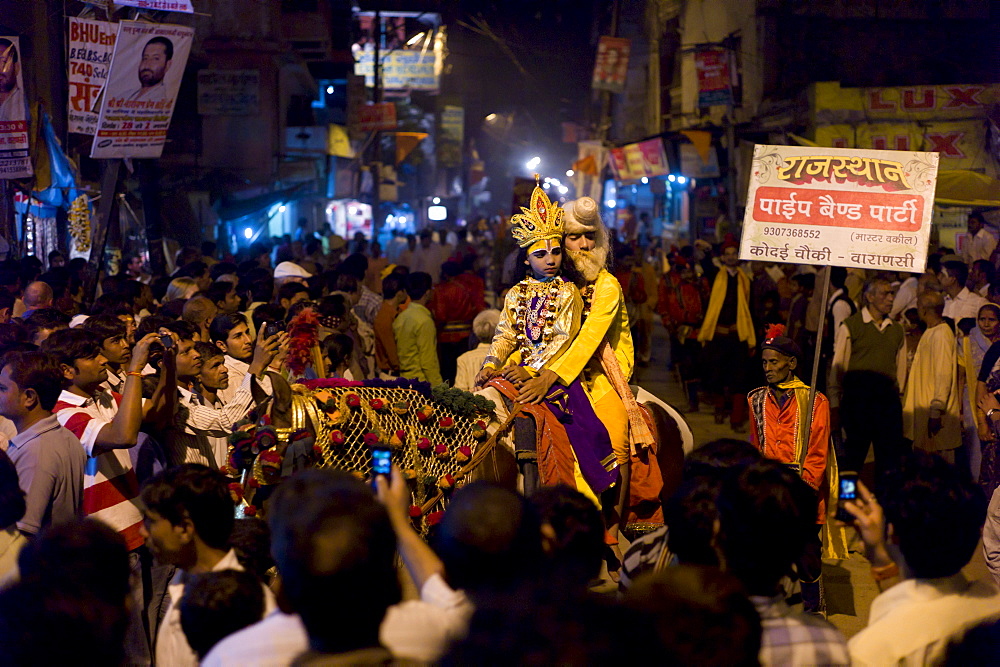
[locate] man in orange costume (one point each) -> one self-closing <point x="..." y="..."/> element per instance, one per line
<point x="454" y="305"/>
<point x="780" y="429"/>
<point x="680" y="307"/>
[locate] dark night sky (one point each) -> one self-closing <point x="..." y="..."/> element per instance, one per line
<point x="554" y="43"/>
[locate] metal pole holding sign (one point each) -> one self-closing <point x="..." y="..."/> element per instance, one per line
<point x="819" y="348"/>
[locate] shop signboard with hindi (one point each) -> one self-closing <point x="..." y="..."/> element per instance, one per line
<point x="91" y="44"/>
<point x="865" y="209"/>
<point x="141" y="89"/>
<point x="159" y="5"/>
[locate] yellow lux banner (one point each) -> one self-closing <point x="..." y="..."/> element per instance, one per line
<point x="960" y="144"/>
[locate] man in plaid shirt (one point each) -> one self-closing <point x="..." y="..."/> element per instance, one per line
<point x="766" y="514"/>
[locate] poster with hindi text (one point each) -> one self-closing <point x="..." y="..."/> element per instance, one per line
<point x="141" y="89"/>
<point x="91" y="45"/>
<point x="865" y="209"/>
<point x="14" y="159"/>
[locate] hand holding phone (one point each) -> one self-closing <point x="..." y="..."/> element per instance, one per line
<point x="381" y="461"/>
<point x="848" y="490"/>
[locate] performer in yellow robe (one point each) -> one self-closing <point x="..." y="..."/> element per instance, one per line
<point x="540" y="317"/>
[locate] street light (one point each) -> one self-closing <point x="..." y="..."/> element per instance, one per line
<point x="436" y="200"/>
<point x="282" y="208"/>
<point x="533" y="163"/>
<point x="644" y="180"/>
<point x="681" y="180"/>
<point x="329" y="90"/>
<point x="416" y="38"/>
<point x="492" y="117"/>
<point x="563" y="189"/>
<point x="570" y="172"/>
<point x="248" y="233"/>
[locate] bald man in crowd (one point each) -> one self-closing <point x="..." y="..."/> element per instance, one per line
<point x="200" y="311"/>
<point x="37" y="295"/>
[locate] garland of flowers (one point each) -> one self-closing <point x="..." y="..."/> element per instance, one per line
<point x="79" y="223"/>
<point x="525" y="293"/>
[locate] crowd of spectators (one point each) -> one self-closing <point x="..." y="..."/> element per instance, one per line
<point x="119" y="542"/>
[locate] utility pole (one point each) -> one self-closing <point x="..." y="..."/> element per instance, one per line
<point x="377" y="161"/>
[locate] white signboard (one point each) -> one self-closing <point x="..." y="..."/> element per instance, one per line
<point x="401" y="70"/>
<point x="91" y="45"/>
<point x="14" y="159"/>
<point x="865" y="209"/>
<point x="159" y="5"/>
<point x="141" y="90"/>
<point x="228" y="92"/>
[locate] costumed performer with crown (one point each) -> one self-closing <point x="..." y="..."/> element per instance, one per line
<point x="540" y="318"/>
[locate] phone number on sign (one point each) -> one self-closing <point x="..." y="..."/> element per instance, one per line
<point x="792" y="232"/>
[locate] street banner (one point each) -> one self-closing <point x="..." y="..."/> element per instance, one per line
<point x="91" y="45"/>
<point x="712" y="66"/>
<point x="863" y="209"/>
<point x="159" y="5"/>
<point x="141" y="89"/>
<point x="381" y="116"/>
<point x="591" y="156"/>
<point x="14" y="159"/>
<point x="228" y="92"/>
<point x="452" y="136"/>
<point x="402" y="69"/>
<point x="611" y="66"/>
<point x="644" y="159"/>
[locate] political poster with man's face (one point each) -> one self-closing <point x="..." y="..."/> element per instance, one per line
<point x="14" y="160"/>
<point x="141" y="89"/>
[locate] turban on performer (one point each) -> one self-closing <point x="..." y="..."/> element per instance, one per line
<point x="582" y="216"/>
<point x="776" y="340"/>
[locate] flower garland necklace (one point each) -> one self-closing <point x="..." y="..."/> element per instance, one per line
<point x="536" y="324"/>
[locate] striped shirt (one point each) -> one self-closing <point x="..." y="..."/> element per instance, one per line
<point x="237" y="371"/>
<point x="110" y="487"/>
<point x="200" y="431"/>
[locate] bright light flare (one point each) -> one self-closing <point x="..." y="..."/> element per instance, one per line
<point x="248" y="233"/>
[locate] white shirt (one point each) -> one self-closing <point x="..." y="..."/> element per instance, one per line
<point x="981" y="246"/>
<point x="842" y="357"/>
<point x="237" y="371"/>
<point x="273" y="642"/>
<point x="906" y="298"/>
<point x="172" y="647"/>
<point x="913" y="622"/>
<point x="419" y="630"/>
<point x="200" y="431"/>
<point x="423" y="629"/>
<point x="964" y="304"/>
<point x="469" y="364"/>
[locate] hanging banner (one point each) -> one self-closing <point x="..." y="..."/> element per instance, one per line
<point x="14" y="159"/>
<point x="644" y="159"/>
<point x="449" y="145"/>
<point x="864" y="209"/>
<point x="611" y="66"/>
<point x="381" y="116"/>
<point x="159" y="5"/>
<point x="91" y="44"/>
<point x="141" y="90"/>
<point x="712" y="66"/>
<point x="591" y="156"/>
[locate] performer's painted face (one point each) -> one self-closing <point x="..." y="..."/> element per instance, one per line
<point x="545" y="259"/>
<point x="778" y="367"/>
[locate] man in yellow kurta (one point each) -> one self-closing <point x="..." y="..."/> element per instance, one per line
<point x="931" y="401"/>
<point x="602" y="347"/>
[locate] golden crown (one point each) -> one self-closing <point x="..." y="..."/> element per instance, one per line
<point x="541" y="222"/>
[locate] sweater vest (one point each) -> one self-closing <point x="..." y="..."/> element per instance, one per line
<point x="873" y="350"/>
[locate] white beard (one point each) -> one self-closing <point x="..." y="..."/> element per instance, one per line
<point x="589" y="263"/>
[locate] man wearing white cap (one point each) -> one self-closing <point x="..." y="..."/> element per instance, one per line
<point x="290" y="272"/>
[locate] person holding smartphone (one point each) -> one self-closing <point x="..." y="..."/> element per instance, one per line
<point x="779" y="432"/>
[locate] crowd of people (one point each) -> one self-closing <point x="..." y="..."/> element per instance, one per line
<point x="119" y="536"/>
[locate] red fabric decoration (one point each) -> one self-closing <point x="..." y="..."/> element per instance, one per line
<point x="415" y="511"/>
<point x="303" y="333"/>
<point x="434" y="518"/>
<point x="250" y="511"/>
<point x="774" y="331"/>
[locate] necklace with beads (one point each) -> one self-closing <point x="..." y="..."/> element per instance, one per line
<point x="587" y="293"/>
<point x="536" y="324"/>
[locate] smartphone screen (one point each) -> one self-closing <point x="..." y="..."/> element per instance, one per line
<point x="381" y="461"/>
<point x="848" y="486"/>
